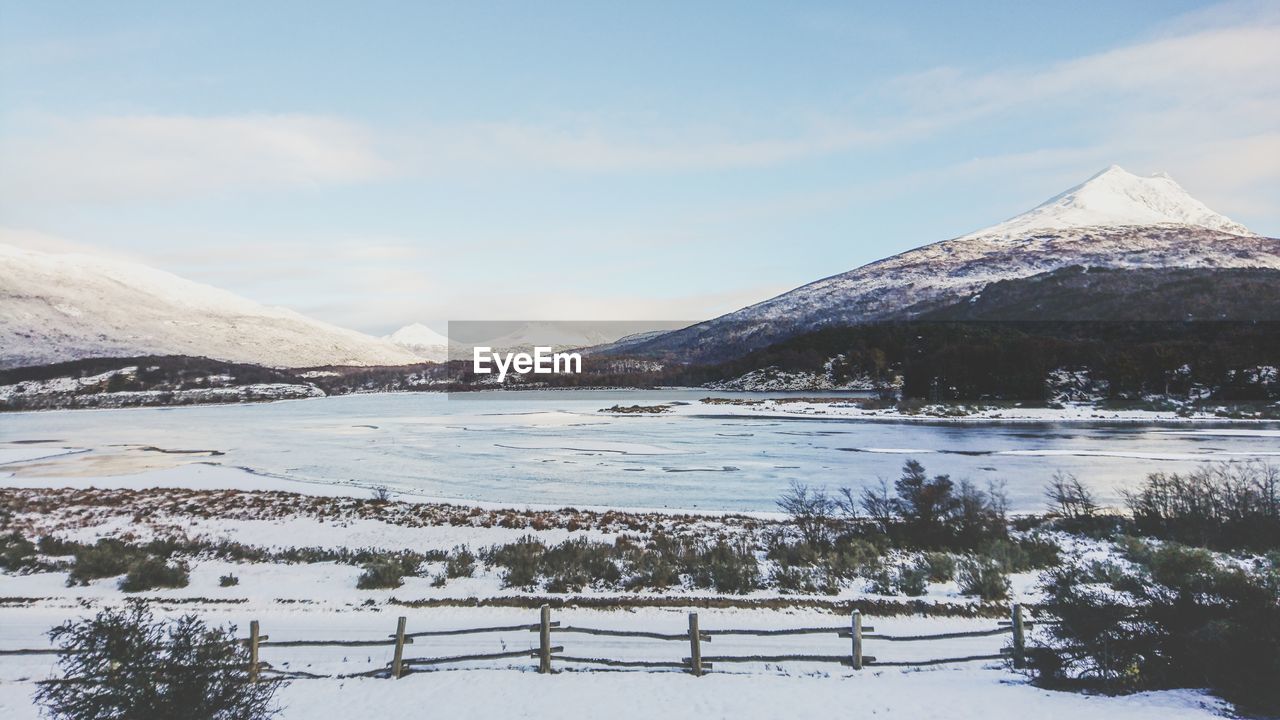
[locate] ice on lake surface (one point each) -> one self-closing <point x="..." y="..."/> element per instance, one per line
<point x="556" y="448"/>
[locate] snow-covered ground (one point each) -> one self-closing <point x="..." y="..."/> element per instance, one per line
<point x="964" y="694"/>
<point x="510" y="688"/>
<point x="320" y="600"/>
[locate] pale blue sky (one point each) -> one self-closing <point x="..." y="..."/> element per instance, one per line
<point x="379" y="163"/>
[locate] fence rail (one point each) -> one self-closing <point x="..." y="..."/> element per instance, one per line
<point x="696" y="662"/>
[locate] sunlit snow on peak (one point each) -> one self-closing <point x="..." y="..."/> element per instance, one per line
<point x="1117" y="198"/>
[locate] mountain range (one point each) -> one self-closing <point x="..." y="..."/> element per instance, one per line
<point x="1117" y="246"/>
<point x="1114" y="220"/>
<point x="56" y="307"/>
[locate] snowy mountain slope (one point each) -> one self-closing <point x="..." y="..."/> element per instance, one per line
<point x="57" y="307"/>
<point x="421" y="341"/>
<point x="1115" y="220"/>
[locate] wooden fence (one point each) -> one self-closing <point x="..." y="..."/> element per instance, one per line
<point x="697" y="662"/>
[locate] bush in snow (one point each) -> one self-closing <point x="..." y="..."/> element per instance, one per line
<point x="983" y="577"/>
<point x="124" y="664"/>
<point x="385" y="570"/>
<point x="151" y="573"/>
<point x="106" y="558"/>
<point x="799" y="567"/>
<point x="578" y="563"/>
<point x="461" y="563"/>
<point x="520" y="560"/>
<point x="228" y="581"/>
<point x="655" y="565"/>
<point x="567" y="567"/>
<point x="941" y="567"/>
<point x="728" y="568"/>
<point x="1031" y="553"/>
<point x="1171" y="616"/>
<point x="911" y="580"/>
<point x="16" y="552"/>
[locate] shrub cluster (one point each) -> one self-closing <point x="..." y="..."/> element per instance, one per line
<point x="844" y="535"/>
<point x="385" y="570"/>
<point x="911" y="580"/>
<point x="659" y="562"/>
<point x="461" y="563"/>
<point x="805" y="568"/>
<point x="17" y="553"/>
<point x="1172" y="616"/>
<point x="983" y="577"/>
<point x="1229" y="506"/>
<point x="106" y="558"/>
<point x="920" y="512"/>
<point x="151" y="573"/>
<point x="144" y="567"/>
<point x="153" y="564"/>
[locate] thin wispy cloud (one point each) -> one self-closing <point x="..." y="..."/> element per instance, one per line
<point x="1222" y="79"/>
<point x="144" y="158"/>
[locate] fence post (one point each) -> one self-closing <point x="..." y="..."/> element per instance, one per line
<point x="1019" y="639"/>
<point x="544" y="641"/>
<point x="695" y="645"/>
<point x="855" y="631"/>
<point x="397" y="662"/>
<point x="253" y="651"/>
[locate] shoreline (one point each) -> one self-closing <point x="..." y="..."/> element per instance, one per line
<point x="750" y="405"/>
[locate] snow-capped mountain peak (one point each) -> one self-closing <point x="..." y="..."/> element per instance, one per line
<point x="1117" y="198"/>
<point x="1114" y="220"/>
<point x="421" y="341"/>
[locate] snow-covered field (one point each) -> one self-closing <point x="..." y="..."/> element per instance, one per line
<point x="512" y="689"/>
<point x="320" y="601"/>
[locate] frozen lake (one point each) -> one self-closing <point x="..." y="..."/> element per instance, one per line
<point x="556" y="448"/>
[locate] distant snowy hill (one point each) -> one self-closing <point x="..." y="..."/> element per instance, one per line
<point x="58" y="307"/>
<point x="1113" y="220"/>
<point x="421" y="341"/>
<point x="559" y="335"/>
